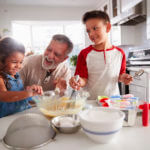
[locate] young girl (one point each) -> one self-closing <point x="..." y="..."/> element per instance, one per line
<point x="13" y="97"/>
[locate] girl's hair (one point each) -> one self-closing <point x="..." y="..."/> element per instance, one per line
<point x="96" y="14"/>
<point x="7" y="47"/>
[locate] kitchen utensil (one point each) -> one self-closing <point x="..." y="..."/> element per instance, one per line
<point x="138" y="73"/>
<point x="101" y="124"/>
<point x="73" y="93"/>
<point x="66" y="124"/>
<point x="52" y="106"/>
<point x="29" y="131"/>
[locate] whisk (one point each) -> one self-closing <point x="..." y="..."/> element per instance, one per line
<point x="138" y="73"/>
<point x="72" y="94"/>
<point x="73" y="91"/>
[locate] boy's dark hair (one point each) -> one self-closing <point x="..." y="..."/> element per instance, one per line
<point x="7" y="47"/>
<point x="96" y="14"/>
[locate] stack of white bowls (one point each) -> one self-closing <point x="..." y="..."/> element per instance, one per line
<point x="101" y="124"/>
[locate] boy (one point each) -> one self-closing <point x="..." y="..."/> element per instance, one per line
<point x="102" y="65"/>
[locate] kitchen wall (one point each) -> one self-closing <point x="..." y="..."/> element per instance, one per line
<point x="129" y="34"/>
<point x="38" y="13"/>
<point x="141" y="35"/>
<point x="135" y="35"/>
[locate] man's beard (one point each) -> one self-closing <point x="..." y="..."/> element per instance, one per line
<point x="53" y="65"/>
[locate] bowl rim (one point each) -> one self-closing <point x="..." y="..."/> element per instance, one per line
<point x="122" y="116"/>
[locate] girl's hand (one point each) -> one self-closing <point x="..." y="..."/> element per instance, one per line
<point x="34" y="90"/>
<point x="125" y="78"/>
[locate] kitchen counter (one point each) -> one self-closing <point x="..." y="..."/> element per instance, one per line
<point x="129" y="138"/>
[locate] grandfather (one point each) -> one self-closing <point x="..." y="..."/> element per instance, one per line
<point x="50" y="69"/>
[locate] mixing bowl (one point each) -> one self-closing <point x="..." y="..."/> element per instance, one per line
<point x="53" y="105"/>
<point x="101" y="124"/>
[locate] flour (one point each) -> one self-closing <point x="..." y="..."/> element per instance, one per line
<point x="66" y="122"/>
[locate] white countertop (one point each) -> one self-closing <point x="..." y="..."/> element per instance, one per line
<point x="129" y="138"/>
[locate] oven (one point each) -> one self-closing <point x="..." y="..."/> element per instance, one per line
<point x="139" y="58"/>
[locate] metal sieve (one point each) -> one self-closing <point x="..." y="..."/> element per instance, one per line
<point x="29" y="131"/>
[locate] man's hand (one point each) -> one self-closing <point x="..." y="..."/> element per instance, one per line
<point x="125" y="78"/>
<point x="61" y="84"/>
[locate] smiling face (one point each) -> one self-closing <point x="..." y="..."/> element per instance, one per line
<point x="13" y="63"/>
<point x="55" y="53"/>
<point x="97" y="30"/>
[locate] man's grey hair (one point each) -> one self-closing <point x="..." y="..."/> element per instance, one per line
<point x="63" y="39"/>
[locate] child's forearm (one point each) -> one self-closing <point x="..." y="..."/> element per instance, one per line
<point x="12" y="96"/>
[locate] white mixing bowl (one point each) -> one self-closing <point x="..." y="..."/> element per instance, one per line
<point x="101" y="124"/>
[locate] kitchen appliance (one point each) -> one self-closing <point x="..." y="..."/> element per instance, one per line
<point x="139" y="57"/>
<point x="131" y="16"/>
<point x="124" y="89"/>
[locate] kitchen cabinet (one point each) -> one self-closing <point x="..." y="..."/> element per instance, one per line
<point x="114" y="8"/>
<point x="105" y="6"/>
<point x="148" y="20"/>
<point x="127" y="4"/>
<point x="125" y="12"/>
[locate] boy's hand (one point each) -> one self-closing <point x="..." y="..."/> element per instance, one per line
<point x="35" y="90"/>
<point x="125" y="78"/>
<point x="77" y="84"/>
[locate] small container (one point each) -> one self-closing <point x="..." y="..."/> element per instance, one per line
<point x="130" y="117"/>
<point x="145" y="113"/>
<point x="66" y="124"/>
<point x="126" y="103"/>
